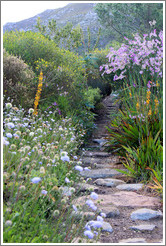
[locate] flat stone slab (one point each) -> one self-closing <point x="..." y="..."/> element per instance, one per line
<point x="145" y="214"/>
<point x="133" y="240"/>
<point x="123" y="199"/>
<point x="106" y="227"/>
<point x="99" y="166"/>
<point x="100" y="173"/>
<point x="109" y="182"/>
<point x="96" y="154"/>
<point x="92" y="160"/>
<point x="130" y="187"/>
<point x="143" y="227"/>
<point x="99" y="141"/>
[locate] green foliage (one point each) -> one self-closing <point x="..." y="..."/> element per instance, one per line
<point x="137" y="131"/>
<point x="30" y="208"/>
<point x="67" y="37"/>
<point x="93" y="61"/>
<point x="31" y="46"/>
<point x="18" y="80"/>
<point x="124" y="131"/>
<point x="149" y="156"/>
<point x="64" y="74"/>
<point x="124" y="19"/>
<point x="93" y="96"/>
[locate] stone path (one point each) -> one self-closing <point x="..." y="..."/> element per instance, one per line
<point x="132" y="214"/>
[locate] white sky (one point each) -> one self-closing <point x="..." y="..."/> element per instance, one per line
<point x="13" y="11"/>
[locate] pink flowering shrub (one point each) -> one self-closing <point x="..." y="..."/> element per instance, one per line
<point x="142" y="53"/>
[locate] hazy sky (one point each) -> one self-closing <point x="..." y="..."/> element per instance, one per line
<point x="13" y="11"/>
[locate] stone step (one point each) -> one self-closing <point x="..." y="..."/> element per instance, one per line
<point x="128" y="199"/>
<point x="100" y="173"/>
<point x="99" y="160"/>
<point x="99" y="141"/>
<point x="130" y="187"/>
<point x="108" y="182"/>
<point x="96" y="154"/>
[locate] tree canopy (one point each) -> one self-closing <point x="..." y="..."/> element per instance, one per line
<point x="125" y="19"/>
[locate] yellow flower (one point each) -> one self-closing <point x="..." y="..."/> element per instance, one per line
<point x="150" y="112"/>
<point x="156" y="102"/>
<point x="137" y="106"/>
<point x="37" y="97"/>
<point x="157" y="84"/>
<point x="130" y="94"/>
<point x="148" y="97"/>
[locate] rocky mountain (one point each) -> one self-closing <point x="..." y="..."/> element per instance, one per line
<point x="82" y="14"/>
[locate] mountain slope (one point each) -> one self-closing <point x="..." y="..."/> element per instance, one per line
<point x="77" y="13"/>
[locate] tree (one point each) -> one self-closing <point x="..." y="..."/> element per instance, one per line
<point x="69" y="37"/>
<point x="125" y="19"/>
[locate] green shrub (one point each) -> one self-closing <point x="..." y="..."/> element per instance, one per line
<point x="93" y="97"/>
<point x="148" y="156"/>
<point x="18" y="80"/>
<point x="93" y="61"/>
<point x="30" y="47"/>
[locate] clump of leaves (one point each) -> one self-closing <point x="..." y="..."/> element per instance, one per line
<point x="149" y="156"/>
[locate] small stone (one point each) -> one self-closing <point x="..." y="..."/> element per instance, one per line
<point x="107" y="227"/>
<point x="130" y="187"/>
<point x="110" y="211"/>
<point x="109" y="182"/>
<point x="143" y="227"/>
<point x="133" y="240"/>
<point x="145" y="214"/>
<point x="87" y="187"/>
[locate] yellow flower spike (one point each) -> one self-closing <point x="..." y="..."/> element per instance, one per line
<point x="148" y="97"/>
<point x="37" y="97"/>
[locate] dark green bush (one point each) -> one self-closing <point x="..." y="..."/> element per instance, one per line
<point x="93" y="61"/>
<point x="18" y="80"/>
